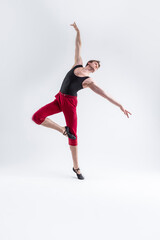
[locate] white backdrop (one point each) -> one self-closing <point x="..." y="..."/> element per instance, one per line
<point x="37" y="48"/>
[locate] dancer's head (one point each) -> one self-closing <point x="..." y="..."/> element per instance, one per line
<point x="93" y="64"/>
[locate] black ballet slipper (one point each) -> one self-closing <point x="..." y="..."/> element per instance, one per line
<point x="67" y="132"/>
<point x="79" y="175"/>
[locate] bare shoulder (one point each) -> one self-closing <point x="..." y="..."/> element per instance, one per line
<point x="88" y="82"/>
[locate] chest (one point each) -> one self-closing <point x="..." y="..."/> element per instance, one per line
<point x="79" y="73"/>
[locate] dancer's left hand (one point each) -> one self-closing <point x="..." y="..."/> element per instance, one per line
<point x="75" y="26"/>
<point x="125" y="111"/>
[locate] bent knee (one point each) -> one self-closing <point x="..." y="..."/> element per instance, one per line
<point x="37" y="119"/>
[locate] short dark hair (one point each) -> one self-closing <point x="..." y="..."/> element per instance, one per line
<point x="94" y="61"/>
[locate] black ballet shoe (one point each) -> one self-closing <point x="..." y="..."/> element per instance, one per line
<point x="70" y="135"/>
<point x="79" y="175"/>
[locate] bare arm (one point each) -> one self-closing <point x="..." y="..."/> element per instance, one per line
<point x="102" y="93"/>
<point x="78" y="38"/>
<point x="78" y="49"/>
<point x="78" y="59"/>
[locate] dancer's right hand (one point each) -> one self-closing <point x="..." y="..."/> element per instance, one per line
<point x="75" y="26"/>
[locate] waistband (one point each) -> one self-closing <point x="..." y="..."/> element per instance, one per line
<point x="67" y="95"/>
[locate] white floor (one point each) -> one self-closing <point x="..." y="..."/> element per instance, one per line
<point x="42" y="202"/>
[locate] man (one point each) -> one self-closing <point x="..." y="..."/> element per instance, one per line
<point x="66" y="100"/>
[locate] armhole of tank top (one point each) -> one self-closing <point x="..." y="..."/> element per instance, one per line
<point x="77" y="66"/>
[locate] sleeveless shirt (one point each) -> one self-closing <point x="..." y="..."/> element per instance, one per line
<point x="72" y="83"/>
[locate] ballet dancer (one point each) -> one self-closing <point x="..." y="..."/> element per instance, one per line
<point x="66" y="101"/>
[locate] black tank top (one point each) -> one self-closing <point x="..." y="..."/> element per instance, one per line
<point x="72" y="83"/>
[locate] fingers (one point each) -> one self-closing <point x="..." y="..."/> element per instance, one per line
<point x="74" y="25"/>
<point x="126" y="112"/>
<point x="129" y="112"/>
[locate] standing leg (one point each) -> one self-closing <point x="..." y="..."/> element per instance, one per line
<point x="70" y="113"/>
<point x="74" y="152"/>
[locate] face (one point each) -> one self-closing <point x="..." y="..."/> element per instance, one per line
<point x="94" y="66"/>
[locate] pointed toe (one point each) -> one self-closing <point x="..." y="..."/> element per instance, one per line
<point x="79" y="175"/>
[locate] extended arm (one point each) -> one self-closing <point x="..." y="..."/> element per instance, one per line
<point x="78" y="39"/>
<point x="78" y="48"/>
<point x="102" y="93"/>
<point x="78" y="59"/>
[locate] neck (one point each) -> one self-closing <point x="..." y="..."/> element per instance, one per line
<point x="88" y="69"/>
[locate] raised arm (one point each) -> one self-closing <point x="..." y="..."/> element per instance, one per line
<point x="78" y="59"/>
<point x="94" y="87"/>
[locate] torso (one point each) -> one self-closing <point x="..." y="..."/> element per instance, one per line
<point x="78" y="73"/>
<point x="75" y="80"/>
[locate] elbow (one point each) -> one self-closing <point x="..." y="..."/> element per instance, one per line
<point x="93" y="87"/>
<point x="78" y="43"/>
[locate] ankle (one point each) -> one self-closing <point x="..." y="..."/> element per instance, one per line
<point x="76" y="167"/>
<point x="62" y="129"/>
<point x="78" y="171"/>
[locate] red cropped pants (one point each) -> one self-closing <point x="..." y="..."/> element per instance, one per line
<point x="63" y="103"/>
